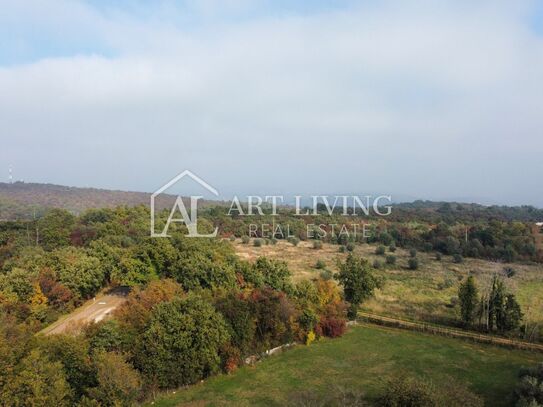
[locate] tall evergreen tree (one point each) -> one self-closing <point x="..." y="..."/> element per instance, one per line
<point x="468" y="295"/>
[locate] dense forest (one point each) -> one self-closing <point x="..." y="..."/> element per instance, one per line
<point x="194" y="310"/>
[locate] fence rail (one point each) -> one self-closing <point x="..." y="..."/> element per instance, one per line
<point x="444" y="331"/>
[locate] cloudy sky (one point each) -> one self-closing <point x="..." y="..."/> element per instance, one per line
<point x="419" y="99"/>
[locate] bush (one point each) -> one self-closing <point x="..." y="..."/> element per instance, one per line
<point x="257" y="242"/>
<point x="273" y="240"/>
<point x="245" y="239"/>
<point x="457" y="258"/>
<point x="377" y="264"/>
<point x="294" y="240"/>
<point x="412" y="392"/>
<point x="342" y="249"/>
<point x="392" y="248"/>
<point x="332" y="327"/>
<point x="529" y="391"/>
<point x="380" y="250"/>
<point x="412" y="253"/>
<point x="317" y="244"/>
<point x="350" y="247"/>
<point x="326" y="275"/>
<point x="391" y="259"/>
<point x="320" y="265"/>
<point x="409" y="392"/>
<point x="334" y="397"/>
<point x="413" y="263"/>
<point x="232" y="238"/>
<point x="438" y="256"/>
<point x="509" y="271"/>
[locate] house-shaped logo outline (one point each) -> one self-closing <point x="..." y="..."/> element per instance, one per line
<point x="170" y="183"/>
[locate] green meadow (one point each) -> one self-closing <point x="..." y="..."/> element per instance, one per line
<point x="363" y="360"/>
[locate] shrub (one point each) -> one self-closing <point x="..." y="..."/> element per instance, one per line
<point x="326" y="275"/>
<point x="438" y="256"/>
<point x="380" y="250"/>
<point x="342" y="249"/>
<point x="412" y="253"/>
<point x="377" y="264"/>
<point x="529" y="391"/>
<point x="509" y="271"/>
<point x="257" y="242"/>
<point x="391" y="259"/>
<point x="392" y="248"/>
<point x="320" y="265"/>
<point x="273" y="240"/>
<point x="457" y="258"/>
<point x="317" y="244"/>
<point x="332" y="327"/>
<point x="350" y="246"/>
<point x="310" y="338"/>
<point x="411" y="392"/>
<point x="232" y="238"/>
<point x="294" y="240"/>
<point x="230" y="358"/>
<point x="413" y="263"/>
<point x="336" y="396"/>
<point x="245" y="239"/>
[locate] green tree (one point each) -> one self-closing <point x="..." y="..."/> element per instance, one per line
<point x="54" y="229"/>
<point x="80" y="272"/>
<point x="275" y="273"/>
<point x="496" y="308"/>
<point x="37" y="382"/>
<point x="468" y="295"/>
<point x="181" y="342"/>
<point x="119" y="383"/>
<point x="73" y="354"/>
<point x="358" y="280"/>
<point x="513" y="314"/>
<point x="238" y="314"/>
<point x="19" y="282"/>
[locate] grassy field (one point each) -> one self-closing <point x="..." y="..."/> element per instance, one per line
<point x="363" y="359"/>
<point x="424" y="294"/>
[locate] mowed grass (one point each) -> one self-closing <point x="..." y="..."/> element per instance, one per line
<point x="424" y="294"/>
<point x="363" y="359"/>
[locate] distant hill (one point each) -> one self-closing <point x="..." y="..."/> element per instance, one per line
<point x="25" y="200"/>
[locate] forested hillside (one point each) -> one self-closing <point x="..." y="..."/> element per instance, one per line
<point x="29" y="200"/>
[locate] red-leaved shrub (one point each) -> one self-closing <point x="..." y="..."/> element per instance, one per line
<point x="331" y="327"/>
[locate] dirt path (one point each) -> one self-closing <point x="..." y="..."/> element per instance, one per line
<point x="444" y="331"/>
<point x="93" y="310"/>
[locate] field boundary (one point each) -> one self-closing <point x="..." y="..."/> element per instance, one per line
<point x="444" y="331"/>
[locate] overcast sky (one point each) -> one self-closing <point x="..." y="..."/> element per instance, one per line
<point x="417" y="99"/>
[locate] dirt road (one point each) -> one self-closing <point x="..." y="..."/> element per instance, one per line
<point x="94" y="310"/>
